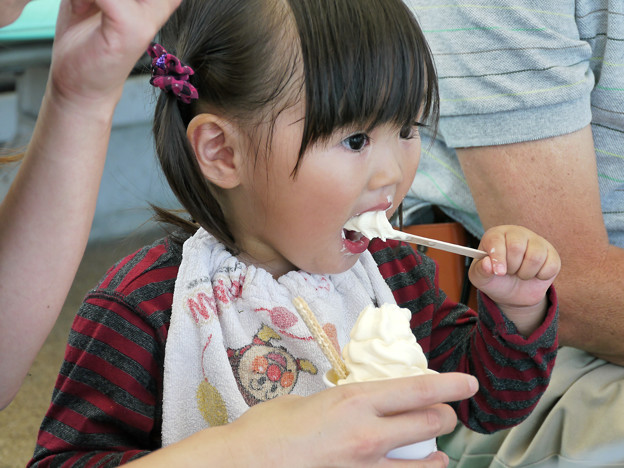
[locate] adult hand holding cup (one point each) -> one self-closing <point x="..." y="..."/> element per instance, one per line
<point x="382" y="346"/>
<point x="415" y="451"/>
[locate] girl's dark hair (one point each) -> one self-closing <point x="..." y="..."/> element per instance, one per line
<point x="356" y="63"/>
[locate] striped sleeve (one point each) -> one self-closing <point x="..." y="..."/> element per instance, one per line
<point x="106" y="404"/>
<point x="513" y="371"/>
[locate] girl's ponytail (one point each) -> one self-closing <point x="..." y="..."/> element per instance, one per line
<point x="230" y="46"/>
<point x="177" y="160"/>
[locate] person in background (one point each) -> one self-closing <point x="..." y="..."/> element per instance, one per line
<point x="278" y="122"/>
<point x="532" y="133"/>
<point x="46" y="216"/>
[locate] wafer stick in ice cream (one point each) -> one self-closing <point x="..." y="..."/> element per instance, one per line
<point x="321" y="337"/>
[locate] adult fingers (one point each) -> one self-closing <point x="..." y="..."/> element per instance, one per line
<point x="149" y="14"/>
<point x="410" y="393"/>
<point x="82" y="7"/>
<point x="416" y="426"/>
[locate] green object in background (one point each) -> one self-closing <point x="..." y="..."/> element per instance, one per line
<point x="37" y="22"/>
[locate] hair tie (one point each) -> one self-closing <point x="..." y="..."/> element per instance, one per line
<point x="170" y="74"/>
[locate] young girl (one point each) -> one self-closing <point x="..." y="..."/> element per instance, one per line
<point x="279" y="121"/>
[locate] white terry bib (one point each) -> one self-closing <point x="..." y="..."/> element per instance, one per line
<point x="235" y="338"/>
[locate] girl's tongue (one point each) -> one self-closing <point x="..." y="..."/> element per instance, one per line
<point x="353" y="236"/>
<point x="354" y="241"/>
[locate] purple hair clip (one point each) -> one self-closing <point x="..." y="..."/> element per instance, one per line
<point x="170" y="74"/>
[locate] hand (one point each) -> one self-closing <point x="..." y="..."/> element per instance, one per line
<point x="357" y="424"/>
<point x="98" y="42"/>
<point x="518" y="271"/>
<point x="349" y="425"/>
<point x="551" y="187"/>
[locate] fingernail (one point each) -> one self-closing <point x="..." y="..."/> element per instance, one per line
<point x="473" y="383"/>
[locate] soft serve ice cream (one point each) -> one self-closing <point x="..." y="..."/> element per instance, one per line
<point x="382" y="346"/>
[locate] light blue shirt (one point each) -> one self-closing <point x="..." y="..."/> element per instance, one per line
<point x="513" y="71"/>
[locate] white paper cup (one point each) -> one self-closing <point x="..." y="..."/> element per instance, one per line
<point x="330" y="378"/>
<point x="416" y="451"/>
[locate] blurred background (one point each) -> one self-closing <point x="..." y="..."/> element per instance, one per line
<point x="122" y="222"/>
<point x="131" y="177"/>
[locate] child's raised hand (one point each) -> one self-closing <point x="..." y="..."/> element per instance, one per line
<point x="518" y="271"/>
<point x="98" y="42"/>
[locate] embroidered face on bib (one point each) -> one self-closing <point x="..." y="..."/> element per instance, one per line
<point x="264" y="371"/>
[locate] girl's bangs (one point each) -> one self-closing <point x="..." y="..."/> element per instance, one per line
<point x="373" y="67"/>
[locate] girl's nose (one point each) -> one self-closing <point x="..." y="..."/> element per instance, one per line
<point x="386" y="170"/>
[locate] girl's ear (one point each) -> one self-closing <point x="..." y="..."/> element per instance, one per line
<point x="215" y="142"/>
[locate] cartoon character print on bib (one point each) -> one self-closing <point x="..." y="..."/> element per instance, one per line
<point x="264" y="371"/>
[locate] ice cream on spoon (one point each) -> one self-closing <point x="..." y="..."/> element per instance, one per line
<point x="375" y="224"/>
<point x="371" y="224"/>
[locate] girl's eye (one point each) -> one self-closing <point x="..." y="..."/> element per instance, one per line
<point x="409" y="132"/>
<point x="356" y="142"/>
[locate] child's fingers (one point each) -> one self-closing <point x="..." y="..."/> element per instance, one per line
<point x="531" y="256"/>
<point x="534" y="259"/>
<point x="516" y="248"/>
<point x="551" y="266"/>
<point x="495" y="263"/>
<point x="526" y="253"/>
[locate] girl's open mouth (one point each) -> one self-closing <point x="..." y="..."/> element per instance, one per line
<point x="354" y="241"/>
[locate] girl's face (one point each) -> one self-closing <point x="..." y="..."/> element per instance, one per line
<point x="284" y="223"/>
<point x="10" y="10"/>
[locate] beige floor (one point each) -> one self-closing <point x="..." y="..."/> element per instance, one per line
<point x="19" y="422"/>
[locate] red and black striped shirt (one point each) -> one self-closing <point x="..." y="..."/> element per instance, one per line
<point x="106" y="406"/>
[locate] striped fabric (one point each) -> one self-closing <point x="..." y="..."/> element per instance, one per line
<point x="500" y="85"/>
<point x="106" y="406"/>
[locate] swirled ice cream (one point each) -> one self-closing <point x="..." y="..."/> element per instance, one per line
<point x="382" y="346"/>
<point x="371" y="224"/>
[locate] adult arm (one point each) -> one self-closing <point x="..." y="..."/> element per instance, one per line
<point x="45" y="218"/>
<point x="550" y="186"/>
